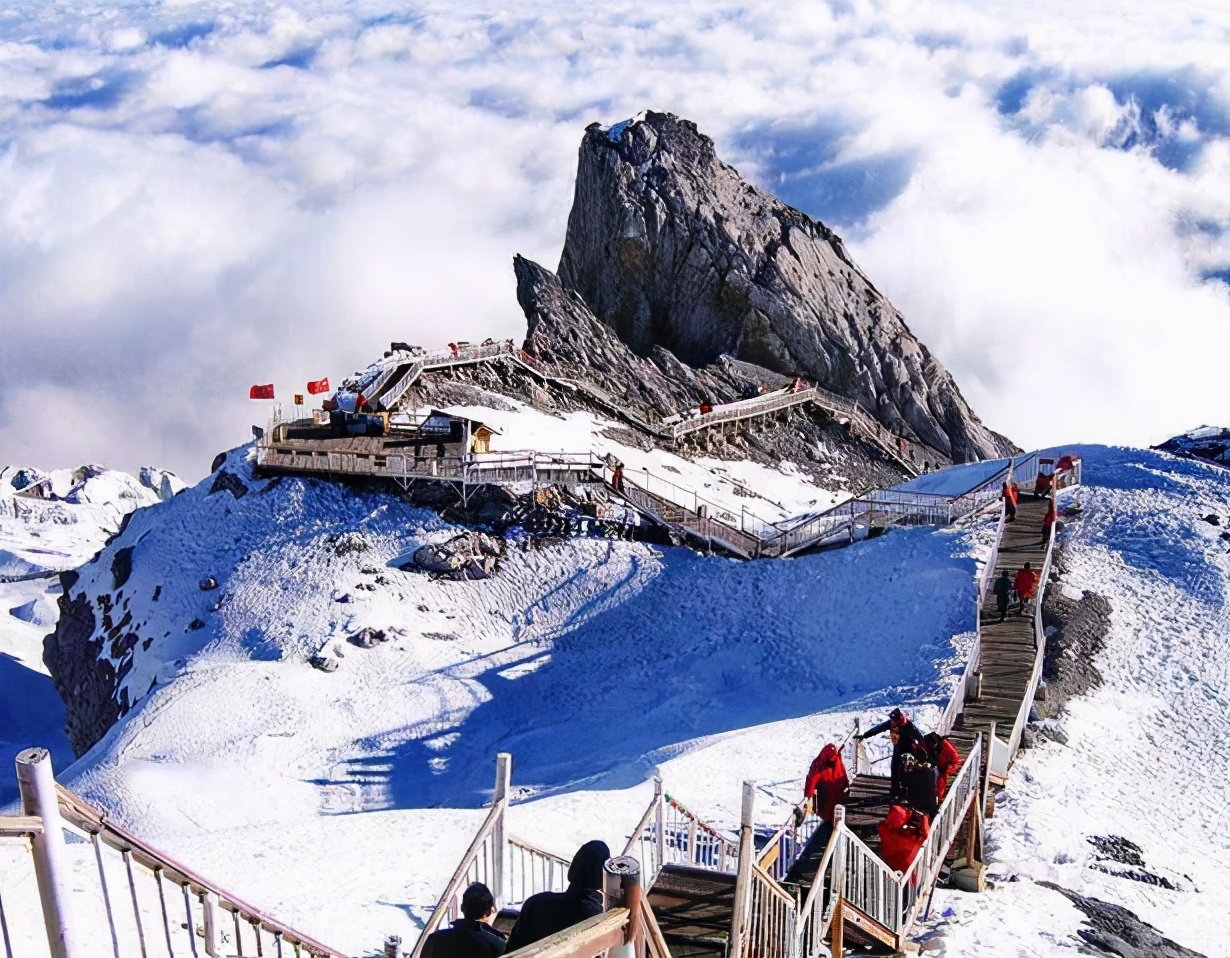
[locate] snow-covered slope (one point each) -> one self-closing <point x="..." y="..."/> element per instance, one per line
<point x="40" y="537"/>
<point x="592" y="661"/>
<point x="1146" y="756"/>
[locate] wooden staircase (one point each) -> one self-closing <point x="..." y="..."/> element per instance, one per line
<point x="1008" y="646"/>
<point x="693" y="907"/>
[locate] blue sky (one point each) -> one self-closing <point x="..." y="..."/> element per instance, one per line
<point x="195" y="197"/>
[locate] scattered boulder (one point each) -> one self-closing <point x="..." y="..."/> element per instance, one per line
<point x="209" y="583"/>
<point x="348" y="543"/>
<point x="369" y="638"/>
<point x="1212" y="519"/>
<point x="229" y="482"/>
<point x="324" y="662"/>
<point x="468" y="555"/>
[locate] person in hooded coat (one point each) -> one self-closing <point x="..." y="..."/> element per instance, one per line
<point x="946" y="759"/>
<point x="547" y="912"/>
<point x="905" y="736"/>
<point x="1002" y="589"/>
<point x="471" y="936"/>
<point x="919" y="782"/>
<point x="827" y="785"/>
<point x="902" y="834"/>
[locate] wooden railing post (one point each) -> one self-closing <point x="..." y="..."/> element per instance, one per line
<point x="499" y="834"/>
<point x="837" y="929"/>
<point x="36" y="783"/>
<point x="743" y="879"/>
<point x="621" y="888"/>
<point x="209" y="909"/>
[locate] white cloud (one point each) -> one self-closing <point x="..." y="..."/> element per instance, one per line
<point x="198" y="196"/>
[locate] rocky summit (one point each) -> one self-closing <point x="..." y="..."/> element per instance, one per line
<point x="672" y="250"/>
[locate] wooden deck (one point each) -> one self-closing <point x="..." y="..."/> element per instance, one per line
<point x="1007" y="647"/>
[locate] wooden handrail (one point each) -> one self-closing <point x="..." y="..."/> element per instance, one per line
<point x="587" y="939"/>
<point x="454" y="883"/>
<point x="20" y="826"/>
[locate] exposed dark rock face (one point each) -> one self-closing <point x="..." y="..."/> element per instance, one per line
<point x="1113" y="930"/>
<point x="230" y="482"/>
<point x="673" y="251"/>
<point x="1080" y="628"/>
<point x="566" y="337"/>
<point x="563" y="332"/>
<point x="85" y="679"/>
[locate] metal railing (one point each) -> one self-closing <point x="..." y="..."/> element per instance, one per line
<point x="768" y="921"/>
<point x="671" y="834"/>
<point x="820" y="906"/>
<point x="531" y="870"/>
<point x="135" y="899"/>
<point x="772" y="914"/>
<point x="945" y="827"/>
<point x="512" y="868"/>
<point x="779" y="854"/>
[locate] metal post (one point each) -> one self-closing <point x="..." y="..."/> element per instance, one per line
<point x="37" y="785"/>
<point x="743" y="879"/>
<point x="499" y="834"/>
<point x="621" y="888"/>
<point x="661" y="821"/>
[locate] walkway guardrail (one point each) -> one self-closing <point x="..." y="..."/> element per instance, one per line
<point x="139" y="900"/>
<point x="779" y="854"/>
<point x="671" y="834"/>
<point x="768" y="921"/>
<point x="1000" y="753"/>
<point x="512" y="868"/>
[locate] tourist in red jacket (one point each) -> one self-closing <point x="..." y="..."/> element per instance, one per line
<point x="1048" y="523"/>
<point x="946" y="759"/>
<point x="1026" y="584"/>
<point x="827" y="785"/>
<point x="902" y="834"/>
<point x="1010" y="494"/>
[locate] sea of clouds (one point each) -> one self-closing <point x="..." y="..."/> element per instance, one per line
<point x="195" y="197"/>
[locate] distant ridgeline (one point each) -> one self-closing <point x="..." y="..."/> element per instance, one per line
<point x="1210" y="443"/>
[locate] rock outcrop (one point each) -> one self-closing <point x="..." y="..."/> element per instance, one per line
<point x="688" y="264"/>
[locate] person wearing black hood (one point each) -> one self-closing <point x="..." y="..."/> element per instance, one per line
<point x="905" y="736"/>
<point x="550" y="911"/>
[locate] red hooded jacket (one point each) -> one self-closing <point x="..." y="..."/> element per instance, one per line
<point x="902" y="834"/>
<point x="826" y="780"/>
<point x="1025" y="583"/>
<point x="947" y="760"/>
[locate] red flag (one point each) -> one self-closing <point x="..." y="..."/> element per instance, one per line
<point x="261" y="392"/>
<point x="317" y="386"/>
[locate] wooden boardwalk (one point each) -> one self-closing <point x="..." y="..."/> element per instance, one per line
<point x="1008" y="649"/>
